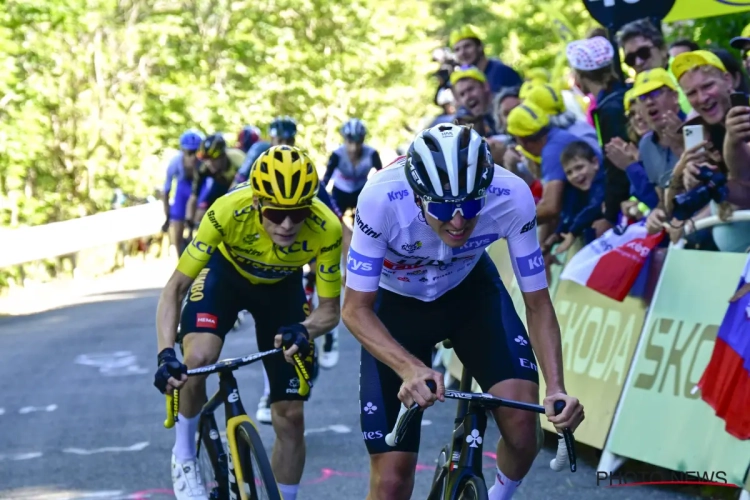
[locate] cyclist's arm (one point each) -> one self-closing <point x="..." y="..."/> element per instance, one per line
<point x="192" y="261"/>
<point x="528" y="266"/>
<point x="171" y="174"/>
<point x="377" y="163"/>
<point x="333" y="164"/>
<point x="328" y="280"/>
<point x="364" y="264"/>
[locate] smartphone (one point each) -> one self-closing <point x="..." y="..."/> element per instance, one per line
<point x="739" y="99"/>
<point x="692" y="135"/>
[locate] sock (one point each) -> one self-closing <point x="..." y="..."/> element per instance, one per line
<point x="503" y="488"/>
<point x="288" y="491"/>
<point x="267" y="384"/>
<point x="184" y="443"/>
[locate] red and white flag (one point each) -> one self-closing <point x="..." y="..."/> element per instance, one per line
<point x="611" y="263"/>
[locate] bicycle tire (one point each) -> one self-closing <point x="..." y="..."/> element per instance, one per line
<point x="251" y="451"/>
<point x="437" y="491"/>
<point x="473" y="488"/>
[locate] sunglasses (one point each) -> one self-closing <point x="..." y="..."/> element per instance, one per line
<point x="445" y="211"/>
<point x="278" y="215"/>
<point x="644" y="53"/>
<point x="651" y="95"/>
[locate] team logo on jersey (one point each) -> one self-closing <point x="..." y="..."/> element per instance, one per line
<point x="499" y="191"/>
<point x="251" y="238"/>
<point x="411" y="247"/>
<point x="404" y="278"/>
<point x="242" y="214"/>
<point x="418" y="272"/>
<point x="398" y="195"/>
<point x="476" y="243"/>
<point x="423" y="279"/>
<point x="529" y="226"/>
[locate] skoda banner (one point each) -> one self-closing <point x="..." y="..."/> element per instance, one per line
<point x="661" y="420"/>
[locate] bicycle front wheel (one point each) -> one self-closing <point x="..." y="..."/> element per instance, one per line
<point x="259" y="481"/>
<point x="473" y="489"/>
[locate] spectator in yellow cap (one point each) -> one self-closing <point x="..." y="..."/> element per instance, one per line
<point x="551" y="101"/>
<point x="530" y="127"/>
<point x="706" y="83"/>
<point x="658" y="104"/>
<point x="537" y="75"/>
<point x="469" y="50"/>
<point x="742" y="43"/>
<point x="471" y="90"/>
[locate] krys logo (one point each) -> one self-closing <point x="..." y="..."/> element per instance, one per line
<point x="411" y="247"/>
<point x="476" y="243"/>
<point x="498" y="191"/>
<point x="398" y="195"/>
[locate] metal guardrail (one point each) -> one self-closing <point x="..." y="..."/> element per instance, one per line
<point x="712" y="221"/>
<point x="47" y="241"/>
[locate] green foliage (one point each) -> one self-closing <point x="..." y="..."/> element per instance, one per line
<point x="92" y="92"/>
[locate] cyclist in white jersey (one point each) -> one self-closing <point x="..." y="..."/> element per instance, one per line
<point x="419" y="273"/>
<point x="350" y="165"/>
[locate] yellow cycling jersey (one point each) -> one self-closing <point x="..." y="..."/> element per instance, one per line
<point x="232" y="224"/>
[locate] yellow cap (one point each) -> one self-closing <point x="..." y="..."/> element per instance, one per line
<point x="526" y="120"/>
<point x="650" y="80"/>
<point x="468" y="72"/>
<point x="695" y="59"/>
<point x="628" y="100"/>
<point x="526" y="88"/>
<point x="463" y="33"/>
<point x="547" y="98"/>
<point x="538" y="75"/>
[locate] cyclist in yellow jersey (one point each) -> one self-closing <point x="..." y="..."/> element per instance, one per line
<point x="248" y="254"/>
<point x="217" y="170"/>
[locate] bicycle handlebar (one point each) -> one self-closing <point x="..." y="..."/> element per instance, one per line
<point x="173" y="400"/>
<point x="566" y="454"/>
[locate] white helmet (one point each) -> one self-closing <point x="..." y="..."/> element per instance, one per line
<point x="452" y="156"/>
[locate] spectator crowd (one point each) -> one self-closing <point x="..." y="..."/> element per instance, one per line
<point x="670" y="143"/>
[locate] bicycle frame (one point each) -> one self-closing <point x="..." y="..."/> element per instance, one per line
<point x="223" y="466"/>
<point x="465" y="459"/>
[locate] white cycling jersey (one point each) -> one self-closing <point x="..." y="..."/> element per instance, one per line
<point x="349" y="177"/>
<point x="394" y="248"/>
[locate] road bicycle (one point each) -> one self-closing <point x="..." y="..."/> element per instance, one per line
<point x="458" y="475"/>
<point x="253" y="479"/>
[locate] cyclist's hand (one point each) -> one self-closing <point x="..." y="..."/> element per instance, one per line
<point x="171" y="374"/>
<point x="571" y="417"/>
<point x="165" y="226"/>
<point x="414" y="388"/>
<point x="295" y="339"/>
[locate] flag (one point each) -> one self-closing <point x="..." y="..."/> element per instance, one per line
<point x="612" y="263"/>
<point x="725" y="384"/>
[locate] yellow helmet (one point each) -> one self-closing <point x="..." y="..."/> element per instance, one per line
<point x="285" y="176"/>
<point x="462" y="33"/>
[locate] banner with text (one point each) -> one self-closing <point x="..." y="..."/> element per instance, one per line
<point x="660" y="420"/>
<point x="694" y="9"/>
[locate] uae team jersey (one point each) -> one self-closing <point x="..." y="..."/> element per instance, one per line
<point x="394" y="248"/>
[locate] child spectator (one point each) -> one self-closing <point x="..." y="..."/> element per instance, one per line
<point x="583" y="196"/>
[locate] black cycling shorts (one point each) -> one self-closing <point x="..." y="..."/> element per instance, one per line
<point x="344" y="200"/>
<point x="481" y="322"/>
<point x="217" y="296"/>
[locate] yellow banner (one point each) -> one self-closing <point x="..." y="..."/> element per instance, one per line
<point x="694" y="9"/>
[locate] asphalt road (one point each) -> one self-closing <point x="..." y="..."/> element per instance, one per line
<point x="79" y="417"/>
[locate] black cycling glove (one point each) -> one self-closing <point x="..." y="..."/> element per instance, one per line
<point x="165" y="226"/>
<point x="169" y="366"/>
<point x="298" y="335"/>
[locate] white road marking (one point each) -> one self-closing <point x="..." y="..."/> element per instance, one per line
<point x="109" y="449"/>
<point x="21" y="456"/>
<point x="114" y="364"/>
<point x="2" y="411"/>
<point x="426" y="422"/>
<point x="32" y="409"/>
<point x="335" y="428"/>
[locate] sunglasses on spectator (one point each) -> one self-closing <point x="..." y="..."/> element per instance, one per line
<point x="644" y="53"/>
<point x="278" y="215"/>
<point x="445" y="211"/>
<point x="651" y="95"/>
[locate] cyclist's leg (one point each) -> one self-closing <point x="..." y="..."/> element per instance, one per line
<point x="494" y="346"/>
<point x="417" y="326"/>
<point x="208" y="313"/>
<point x="282" y="304"/>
